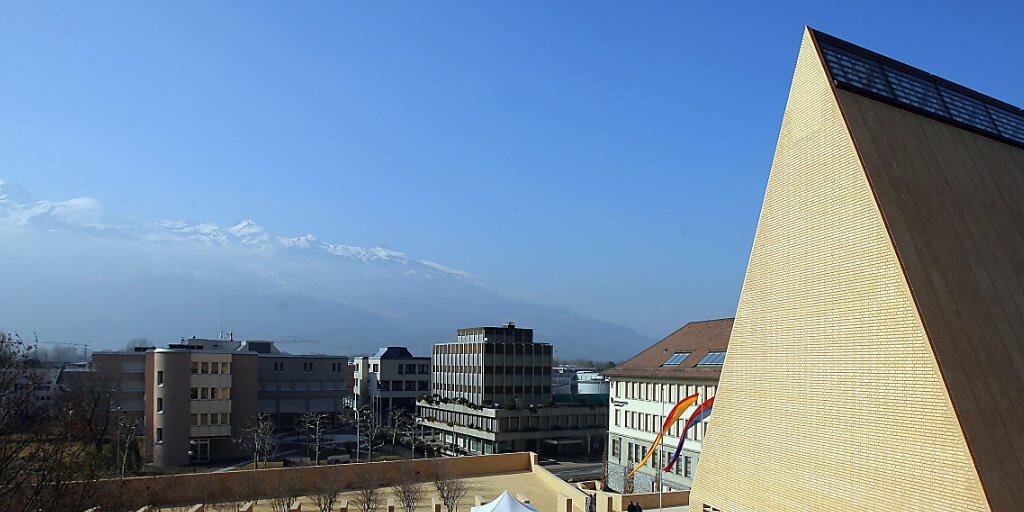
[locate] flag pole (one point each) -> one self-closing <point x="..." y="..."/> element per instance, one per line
<point x="661" y="453"/>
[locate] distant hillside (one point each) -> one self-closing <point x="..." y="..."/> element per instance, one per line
<point x="75" y="270"/>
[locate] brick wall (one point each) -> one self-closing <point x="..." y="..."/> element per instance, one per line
<point x="830" y="398"/>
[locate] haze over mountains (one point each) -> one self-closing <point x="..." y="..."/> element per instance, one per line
<point x="77" y="271"/>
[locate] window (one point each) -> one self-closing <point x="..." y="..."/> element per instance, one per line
<point x="374" y="368"/>
<point x="204" y="393"/>
<point x="401" y="369"/>
<point x="159" y="435"/>
<point x="194" y="367"/>
<point x="160" y="378"/>
<point x="204" y="419"/>
<point x="307" y="367"/>
<point x="687" y="469"/>
<point x="676" y="358"/>
<point x="225" y="393"/>
<point x="616" y="446"/>
<point x="214" y="418"/>
<point x="195" y="393"/>
<point x="193" y="419"/>
<point x="215" y="367"/>
<point x="279" y="367"/>
<point x="920" y="90"/>
<point x="384" y="385"/>
<point x="204" y="367"/>
<point x="712" y="359"/>
<point x="223" y="418"/>
<point x="617" y="417"/>
<point x="159" y="404"/>
<point x="225" y="368"/>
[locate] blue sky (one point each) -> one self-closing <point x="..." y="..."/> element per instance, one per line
<point x="607" y="157"/>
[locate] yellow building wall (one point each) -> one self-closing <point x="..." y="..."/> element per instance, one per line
<point x="830" y="397"/>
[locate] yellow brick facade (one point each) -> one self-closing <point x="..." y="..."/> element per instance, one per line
<point x="830" y="398"/>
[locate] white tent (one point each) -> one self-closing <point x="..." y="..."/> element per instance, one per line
<point x="505" y="503"/>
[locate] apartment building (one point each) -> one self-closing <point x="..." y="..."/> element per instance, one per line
<point x="491" y="393"/>
<point x="196" y="396"/>
<point x="645" y="388"/>
<point x="390" y="380"/>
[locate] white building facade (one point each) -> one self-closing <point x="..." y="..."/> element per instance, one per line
<point x="642" y="392"/>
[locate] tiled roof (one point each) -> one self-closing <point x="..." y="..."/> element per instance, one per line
<point x="695" y="338"/>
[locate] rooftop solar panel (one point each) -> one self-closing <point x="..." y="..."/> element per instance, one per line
<point x="864" y="71"/>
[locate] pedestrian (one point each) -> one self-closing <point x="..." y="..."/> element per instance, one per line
<point x="639" y="508"/>
<point x="631" y="507"/>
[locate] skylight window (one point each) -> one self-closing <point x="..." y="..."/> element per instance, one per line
<point x="915" y="88"/>
<point x="712" y="359"/>
<point x="676" y="359"/>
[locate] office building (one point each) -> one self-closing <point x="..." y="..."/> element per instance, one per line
<point x="876" y="360"/>
<point x="645" y="388"/>
<point x="493" y="365"/>
<point x="491" y="393"/>
<point x="390" y="380"/>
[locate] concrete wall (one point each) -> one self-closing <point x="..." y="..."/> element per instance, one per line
<point x="174" y="420"/>
<point x="187" y="489"/>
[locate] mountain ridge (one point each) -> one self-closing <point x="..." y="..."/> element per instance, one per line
<point x="79" y="270"/>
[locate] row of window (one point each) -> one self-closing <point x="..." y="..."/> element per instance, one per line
<point x="493" y="370"/>
<point x="651" y="423"/>
<point x="210" y="367"/>
<point x="302" y="385"/>
<point x="683" y="467"/>
<point x="660" y="391"/>
<point x="494" y="348"/>
<point x="516" y="423"/>
<point x="409" y="369"/>
<point x="398" y="385"/>
<point x="205" y="393"/>
<point x="307" y="367"/>
<point x="204" y="419"/>
<point x="494" y="390"/>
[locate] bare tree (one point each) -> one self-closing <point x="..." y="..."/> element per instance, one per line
<point x="402" y="424"/>
<point x="282" y="504"/>
<point x="410" y="492"/>
<point x="258" y="437"/>
<point x="127" y="432"/>
<point x="134" y="343"/>
<point x="370" y="426"/>
<point x="369" y="495"/>
<point x="91" y="407"/>
<point x="42" y="467"/>
<point x="450" y="489"/>
<point x="326" y="491"/>
<point x="313" y="425"/>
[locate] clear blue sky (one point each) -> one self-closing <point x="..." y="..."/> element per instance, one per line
<point x="608" y="157"/>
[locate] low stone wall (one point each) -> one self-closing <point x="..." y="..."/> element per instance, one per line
<point x="615" y="502"/>
<point x="563" y="488"/>
<point x="178" y="490"/>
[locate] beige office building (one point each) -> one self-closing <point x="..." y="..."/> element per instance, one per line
<point x="877" y="356"/>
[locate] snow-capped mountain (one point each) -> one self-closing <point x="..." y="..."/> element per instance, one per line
<point x="77" y="270"/>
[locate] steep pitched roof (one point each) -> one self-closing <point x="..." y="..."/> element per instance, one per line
<point x="695" y="339"/>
